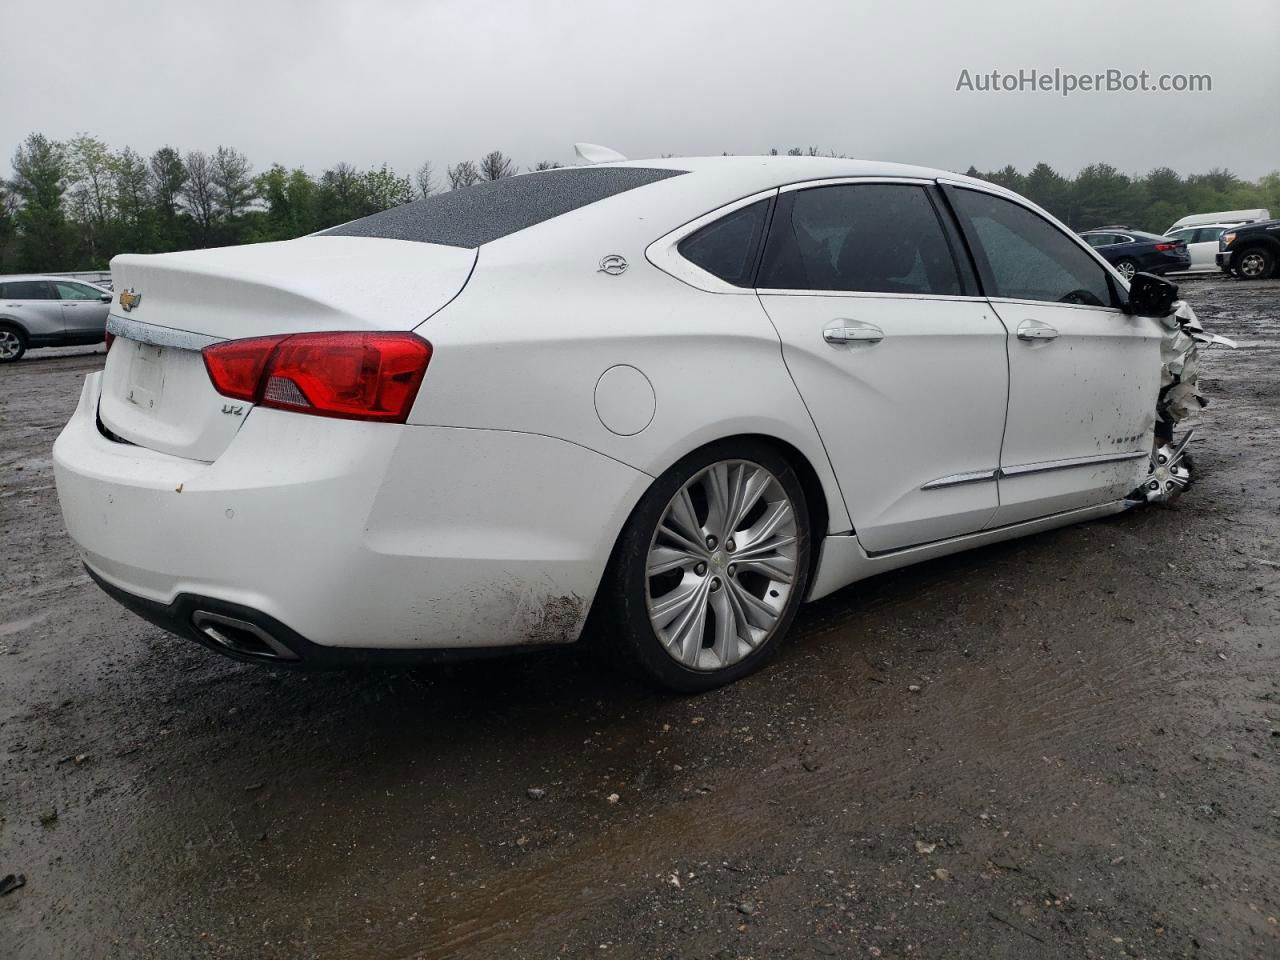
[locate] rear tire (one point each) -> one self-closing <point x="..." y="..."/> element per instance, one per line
<point x="709" y="571"/>
<point x="1126" y="269"/>
<point x="13" y="343"/>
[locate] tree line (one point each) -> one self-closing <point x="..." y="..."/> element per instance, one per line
<point x="73" y="205"/>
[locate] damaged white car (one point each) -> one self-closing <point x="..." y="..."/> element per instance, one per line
<point x="682" y="396"/>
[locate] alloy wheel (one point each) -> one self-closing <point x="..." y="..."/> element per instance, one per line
<point x="10" y="345"/>
<point x="1252" y="265"/>
<point x="721" y="565"/>
<point x="1127" y="268"/>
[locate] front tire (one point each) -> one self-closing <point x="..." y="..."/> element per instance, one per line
<point x="1256" y="264"/>
<point x="710" y="570"/>
<point x="13" y="344"/>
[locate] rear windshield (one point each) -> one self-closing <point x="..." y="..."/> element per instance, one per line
<point x="474" y="215"/>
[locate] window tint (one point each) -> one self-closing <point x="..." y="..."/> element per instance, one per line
<point x="1187" y="235"/>
<point x="874" y="238"/>
<point x="727" y="248"/>
<point x="27" y="290"/>
<point x="75" y="291"/>
<point x="471" y="216"/>
<point x="1206" y="235"/>
<point x="1100" y="239"/>
<point x="1029" y="258"/>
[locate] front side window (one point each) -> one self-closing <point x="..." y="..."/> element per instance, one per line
<point x="727" y="248"/>
<point x="1184" y="235"/>
<point x="76" y="291"/>
<point x="872" y="238"/>
<point x="27" y="290"/>
<point x="1027" y="257"/>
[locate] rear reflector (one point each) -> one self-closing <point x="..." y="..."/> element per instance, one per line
<point x="357" y="376"/>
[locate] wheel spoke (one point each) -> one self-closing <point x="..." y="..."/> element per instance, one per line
<point x="726" y="633"/>
<point x="684" y="517"/>
<point x="716" y="483"/>
<point x="673" y="604"/>
<point x="685" y="637"/>
<point x="751" y="483"/>
<point x="754" y="610"/>
<point x="664" y="559"/>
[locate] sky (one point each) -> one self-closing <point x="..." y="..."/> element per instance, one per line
<point x="399" y="82"/>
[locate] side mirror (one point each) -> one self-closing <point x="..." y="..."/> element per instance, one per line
<point x="1150" y="296"/>
<point x="105" y="298"/>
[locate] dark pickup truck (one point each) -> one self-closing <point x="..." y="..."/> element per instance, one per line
<point x="1251" y="250"/>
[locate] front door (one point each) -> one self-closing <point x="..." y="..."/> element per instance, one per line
<point x="83" y="310"/>
<point x="900" y="362"/>
<point x="1083" y="376"/>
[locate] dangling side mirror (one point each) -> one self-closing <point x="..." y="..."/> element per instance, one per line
<point x="1150" y="296"/>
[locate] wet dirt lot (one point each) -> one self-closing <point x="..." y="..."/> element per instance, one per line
<point x="1089" y="768"/>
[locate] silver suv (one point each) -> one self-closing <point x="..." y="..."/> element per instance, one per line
<point x="41" y="311"/>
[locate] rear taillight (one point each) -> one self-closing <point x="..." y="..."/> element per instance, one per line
<point x="358" y="376"/>
<point x="1166" y="246"/>
<point x="109" y="338"/>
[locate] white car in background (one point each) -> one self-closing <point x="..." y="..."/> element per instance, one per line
<point x="1202" y="244"/>
<point x="683" y="395"/>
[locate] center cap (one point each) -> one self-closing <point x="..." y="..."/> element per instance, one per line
<point x="717" y="559"/>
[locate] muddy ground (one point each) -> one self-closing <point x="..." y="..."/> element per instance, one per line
<point x="1090" y="768"/>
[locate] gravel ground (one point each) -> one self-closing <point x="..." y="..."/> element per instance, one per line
<point x="1089" y="768"/>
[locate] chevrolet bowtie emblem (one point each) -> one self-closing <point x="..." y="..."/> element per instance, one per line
<point x="129" y="299"/>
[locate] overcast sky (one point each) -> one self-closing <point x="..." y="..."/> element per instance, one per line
<point x="373" y="81"/>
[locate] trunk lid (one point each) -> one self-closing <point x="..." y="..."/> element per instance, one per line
<point x="156" y="392"/>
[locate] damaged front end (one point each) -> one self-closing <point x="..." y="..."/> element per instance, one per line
<point x="1170" y="470"/>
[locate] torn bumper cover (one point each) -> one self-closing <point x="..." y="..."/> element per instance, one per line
<point x="1179" y="399"/>
<point x="1180" y="395"/>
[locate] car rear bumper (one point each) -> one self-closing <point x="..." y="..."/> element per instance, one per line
<point x="349" y="535"/>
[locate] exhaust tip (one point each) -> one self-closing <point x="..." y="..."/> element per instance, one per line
<point x="240" y="636"/>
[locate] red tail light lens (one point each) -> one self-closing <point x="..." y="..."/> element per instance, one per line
<point x="108" y="338"/>
<point x="1166" y="246"/>
<point x="357" y="376"/>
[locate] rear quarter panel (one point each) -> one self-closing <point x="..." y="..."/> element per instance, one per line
<point x="523" y="347"/>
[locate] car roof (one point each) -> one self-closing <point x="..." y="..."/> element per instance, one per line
<point x="46" y="276"/>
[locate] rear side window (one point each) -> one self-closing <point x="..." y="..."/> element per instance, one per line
<point x="1027" y="257"/>
<point x="27" y="290"/>
<point x="1206" y="235"/>
<point x="485" y="212"/>
<point x="873" y="238"/>
<point x="727" y="248"/>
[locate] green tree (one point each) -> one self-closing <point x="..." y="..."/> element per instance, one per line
<point x="1048" y="188"/>
<point x="231" y="174"/>
<point x="39" y="182"/>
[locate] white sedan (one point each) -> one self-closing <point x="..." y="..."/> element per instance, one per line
<point x="681" y="395"/>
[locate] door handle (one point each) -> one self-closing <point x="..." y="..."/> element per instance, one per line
<point x="852" y="331"/>
<point x="1035" y="330"/>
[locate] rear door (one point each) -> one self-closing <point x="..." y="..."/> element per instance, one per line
<point x="83" y="311"/>
<point x="34" y="304"/>
<point x="900" y="361"/>
<point x="1083" y="375"/>
<point x="1203" y="247"/>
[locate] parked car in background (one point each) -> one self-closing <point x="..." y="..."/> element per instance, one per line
<point x="1134" y="251"/>
<point x="1202" y="244"/>
<point x="45" y="311"/>
<point x="1230" y="218"/>
<point x="684" y="395"/>
<point x="1251" y="251"/>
